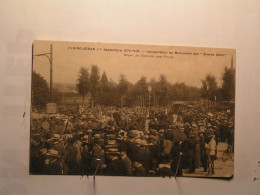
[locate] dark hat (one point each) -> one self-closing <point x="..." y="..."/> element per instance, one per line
<point x="122" y="148"/>
<point x="166" y="158"/>
<point x="192" y="135"/>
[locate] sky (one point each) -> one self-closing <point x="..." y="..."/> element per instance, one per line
<point x="180" y="64"/>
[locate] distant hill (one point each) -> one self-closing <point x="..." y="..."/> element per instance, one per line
<point x="65" y="87"/>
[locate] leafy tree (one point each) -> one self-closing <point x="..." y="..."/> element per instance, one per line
<point x="228" y="86"/>
<point x="204" y="90"/>
<point x="112" y="98"/>
<point x="152" y="83"/>
<point x="122" y="88"/>
<point x="212" y="87"/>
<point x="141" y="88"/>
<point x="178" y="91"/>
<point x="94" y="82"/>
<point x="40" y="90"/>
<point x="83" y="83"/>
<point x="103" y="87"/>
<point x="130" y="98"/>
<point x="162" y="90"/>
<point x="194" y="93"/>
<point x="104" y="81"/>
<point x="106" y="91"/>
<point x="209" y="88"/>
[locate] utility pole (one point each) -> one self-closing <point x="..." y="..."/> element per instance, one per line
<point x="51" y="71"/>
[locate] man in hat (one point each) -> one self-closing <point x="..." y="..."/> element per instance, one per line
<point x="191" y="152"/>
<point x="177" y="162"/>
<point x="71" y="157"/>
<point x="164" y="169"/>
<point x="86" y="159"/>
<point x="211" y="147"/>
<point x="98" y="154"/>
<point x="59" y="146"/>
<point x="155" y="153"/>
<point x="53" y="165"/>
<point x="127" y="162"/>
<point x="203" y="155"/>
<point x="167" y="146"/>
<point x="35" y="167"/>
<point x="79" y="148"/>
<point x="115" y="166"/>
<point x="139" y="169"/>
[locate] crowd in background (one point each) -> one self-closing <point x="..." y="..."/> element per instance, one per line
<point x="128" y="141"/>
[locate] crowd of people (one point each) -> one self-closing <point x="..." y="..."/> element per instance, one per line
<point x="128" y="141"/>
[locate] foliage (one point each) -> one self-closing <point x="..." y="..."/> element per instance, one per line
<point x="40" y="90"/>
<point x="182" y="92"/>
<point x="209" y="88"/>
<point x="122" y="88"/>
<point x="162" y="90"/>
<point x="228" y="86"/>
<point x="106" y="91"/>
<point x="94" y="82"/>
<point x="141" y="91"/>
<point x="162" y="93"/>
<point x="83" y="82"/>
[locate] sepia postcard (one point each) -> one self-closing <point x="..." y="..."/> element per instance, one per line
<point x="132" y="110"/>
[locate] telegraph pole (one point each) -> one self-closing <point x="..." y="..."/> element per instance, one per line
<point x="49" y="56"/>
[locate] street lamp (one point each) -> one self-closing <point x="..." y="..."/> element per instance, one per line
<point x="49" y="56"/>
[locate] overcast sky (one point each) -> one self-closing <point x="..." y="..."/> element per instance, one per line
<point x="182" y="66"/>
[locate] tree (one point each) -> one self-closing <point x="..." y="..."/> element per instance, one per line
<point x="162" y="90"/>
<point x="142" y="90"/>
<point x="204" y="90"/>
<point x="104" y="80"/>
<point x="106" y="91"/>
<point x="228" y="86"/>
<point x="194" y="93"/>
<point x="122" y="89"/>
<point x="83" y="83"/>
<point x="94" y="82"/>
<point x="40" y="90"/>
<point x="152" y="83"/>
<point x="103" y="87"/>
<point x="209" y="88"/>
<point x="212" y="87"/>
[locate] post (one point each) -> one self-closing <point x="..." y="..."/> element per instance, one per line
<point x="178" y="165"/>
<point x="51" y="71"/>
<point x="51" y="84"/>
<point x="149" y="94"/>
